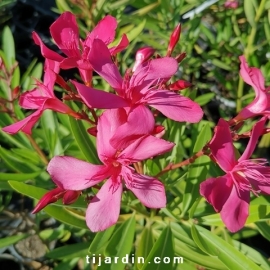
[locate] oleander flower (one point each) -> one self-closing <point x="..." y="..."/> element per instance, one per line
<point x="230" y="194"/>
<point x="140" y="88"/>
<point x="70" y="173"/>
<point x="261" y="104"/>
<point x="65" y="33"/>
<point x="40" y="99"/>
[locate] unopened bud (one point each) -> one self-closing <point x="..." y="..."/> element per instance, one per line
<point x="71" y="196"/>
<point x="92" y="131"/>
<point x="179" y="58"/>
<point x="175" y="36"/>
<point x="179" y="85"/>
<point x="158" y="131"/>
<point x="142" y="55"/>
<point x="50" y="197"/>
<point x="16" y="92"/>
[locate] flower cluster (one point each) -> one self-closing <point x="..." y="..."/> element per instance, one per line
<point x="126" y="131"/>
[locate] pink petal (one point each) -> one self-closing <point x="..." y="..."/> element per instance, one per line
<point x="252" y="76"/>
<point x="73" y="174"/>
<point x="58" y="106"/>
<point x="174" y="106"/>
<point x="65" y="33"/>
<point x="130" y="131"/>
<point x="124" y="42"/>
<point x="144" y="148"/>
<point x="69" y="63"/>
<point x="24" y="125"/>
<point x="105" y="31"/>
<point x="33" y="99"/>
<point x="216" y="191"/>
<point x="154" y="70"/>
<point x="255" y="134"/>
<point x="52" y="65"/>
<point x="235" y="211"/>
<point x="99" y="99"/>
<point x="108" y="123"/>
<point x="148" y="190"/>
<point x="46" y="52"/>
<point x="100" y="59"/>
<point x="103" y="210"/>
<point x="222" y="146"/>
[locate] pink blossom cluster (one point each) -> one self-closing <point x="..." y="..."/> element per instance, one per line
<point x="126" y="131"/>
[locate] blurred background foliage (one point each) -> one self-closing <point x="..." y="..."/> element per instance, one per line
<point x="213" y="37"/>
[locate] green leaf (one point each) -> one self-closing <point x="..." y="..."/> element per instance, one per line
<point x="204" y="99"/>
<point x="10" y="240"/>
<point x="66" y="216"/>
<point x="220" y="64"/>
<point x="79" y="250"/>
<point x="264" y="229"/>
<point x="132" y="34"/>
<point x="50" y="128"/>
<point x="83" y="140"/>
<point x="163" y="248"/>
<point x="146" y="9"/>
<point x="8" y="47"/>
<point x="120" y="244"/>
<point x="100" y="240"/>
<point x="252" y="254"/>
<point x="18" y="176"/>
<point x="145" y="245"/>
<point x="250" y="12"/>
<point x="215" y="246"/>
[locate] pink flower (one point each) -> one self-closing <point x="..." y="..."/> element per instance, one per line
<point x="233" y="4"/>
<point x="140" y="88"/>
<point x="174" y="38"/>
<point x="73" y="174"/>
<point x="261" y="104"/>
<point x="65" y="33"/>
<point x="39" y="99"/>
<point x="230" y="194"/>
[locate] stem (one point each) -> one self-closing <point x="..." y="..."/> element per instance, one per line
<point x="39" y="151"/>
<point x="188" y="161"/>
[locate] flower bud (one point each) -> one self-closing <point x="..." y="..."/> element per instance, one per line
<point x="142" y="55"/>
<point x="50" y="197"/>
<point x="175" y="36"/>
<point x="179" y="85"/>
<point x="71" y="196"/>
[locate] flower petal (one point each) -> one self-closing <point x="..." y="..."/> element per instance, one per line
<point x="235" y="211"/>
<point x="144" y="148"/>
<point x="105" y="31"/>
<point x="222" y="146"/>
<point x="255" y="134"/>
<point x="104" y="65"/>
<point x="123" y="43"/>
<point x="130" y="131"/>
<point x="24" y="125"/>
<point x="103" y="210"/>
<point x="175" y="106"/>
<point x="73" y="174"/>
<point x="99" y="99"/>
<point x="46" y="52"/>
<point x="65" y="33"/>
<point x="154" y="70"/>
<point x="148" y="190"/>
<point x="216" y="191"/>
<point x="108" y="123"/>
